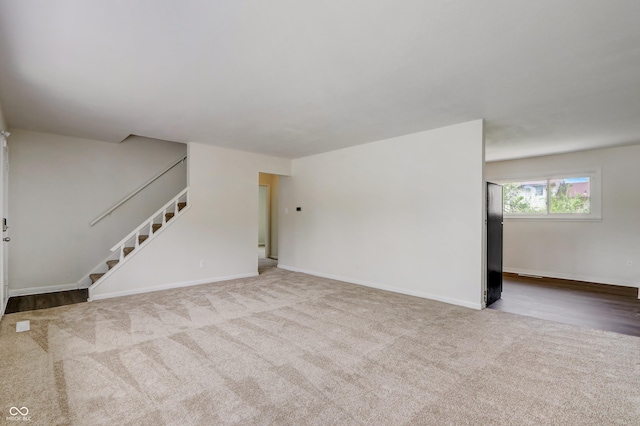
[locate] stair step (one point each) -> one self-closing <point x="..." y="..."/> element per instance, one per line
<point x="141" y="238"/>
<point x="95" y="277"/>
<point x="112" y="263"/>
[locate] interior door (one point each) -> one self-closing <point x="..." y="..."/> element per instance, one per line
<point x="4" y="208"/>
<point x="494" y="242"/>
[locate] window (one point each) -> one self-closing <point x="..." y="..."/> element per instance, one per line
<point x="528" y="197"/>
<point x="568" y="196"/>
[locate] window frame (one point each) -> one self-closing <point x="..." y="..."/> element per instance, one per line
<point x="595" y="194"/>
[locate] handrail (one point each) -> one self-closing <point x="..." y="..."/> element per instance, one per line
<point x="130" y="196"/>
<point x="149" y="219"/>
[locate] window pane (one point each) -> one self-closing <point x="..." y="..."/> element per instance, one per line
<point x="570" y="195"/>
<point x="525" y="197"/>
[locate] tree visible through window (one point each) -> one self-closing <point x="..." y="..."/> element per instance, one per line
<point x="569" y="195"/>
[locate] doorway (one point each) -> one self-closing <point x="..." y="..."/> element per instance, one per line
<point x="263" y="221"/>
<point x="267" y="221"/>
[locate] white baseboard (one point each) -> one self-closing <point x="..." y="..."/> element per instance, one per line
<point x="421" y="294"/>
<point x="41" y="290"/>
<point x="93" y="297"/>
<point x="559" y="275"/>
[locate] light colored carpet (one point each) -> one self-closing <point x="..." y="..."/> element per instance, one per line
<point x="265" y="264"/>
<point x="288" y="348"/>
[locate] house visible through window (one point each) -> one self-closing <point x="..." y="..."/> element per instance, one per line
<point x="560" y="197"/>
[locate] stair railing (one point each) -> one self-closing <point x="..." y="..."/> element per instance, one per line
<point x="157" y="218"/>
<point x="134" y="193"/>
<point x="132" y="240"/>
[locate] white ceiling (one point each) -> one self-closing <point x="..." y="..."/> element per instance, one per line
<point x="293" y="78"/>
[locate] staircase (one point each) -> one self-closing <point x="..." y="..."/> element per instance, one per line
<point x="137" y="239"/>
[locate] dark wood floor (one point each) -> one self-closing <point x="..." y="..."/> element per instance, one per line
<point x="582" y="306"/>
<point x="44" y="301"/>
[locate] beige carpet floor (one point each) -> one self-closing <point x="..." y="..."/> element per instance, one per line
<point x="291" y="349"/>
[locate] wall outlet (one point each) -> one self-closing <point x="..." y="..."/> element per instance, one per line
<point x="202" y="263"/>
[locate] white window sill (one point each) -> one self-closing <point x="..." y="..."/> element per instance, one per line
<point x="556" y="218"/>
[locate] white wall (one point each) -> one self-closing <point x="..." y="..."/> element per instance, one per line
<point x="275" y="216"/>
<point x="220" y="228"/>
<point x="3" y="122"/>
<point x="403" y="214"/>
<point x="59" y="184"/>
<point x="3" y="296"/>
<point x="595" y="251"/>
